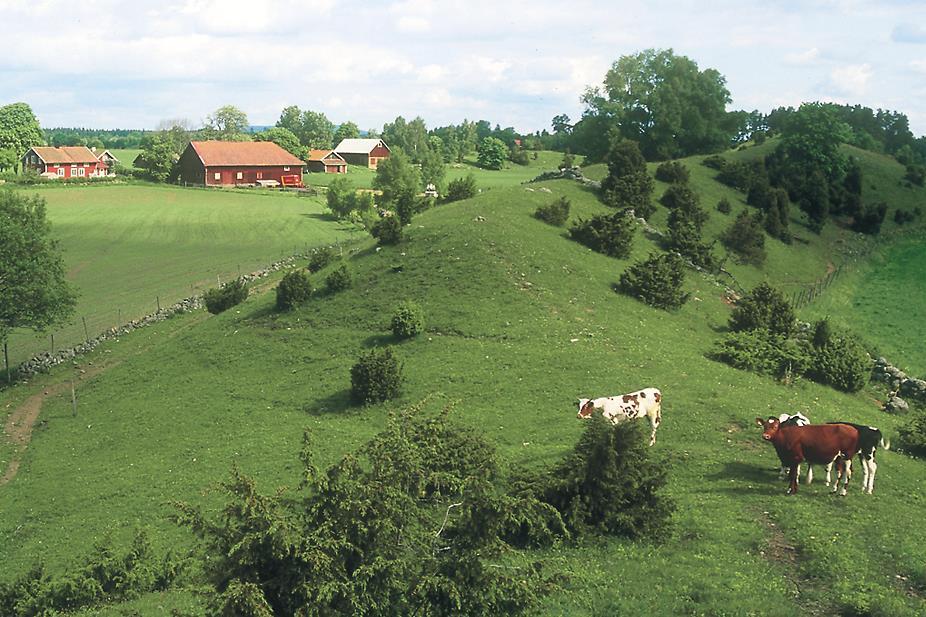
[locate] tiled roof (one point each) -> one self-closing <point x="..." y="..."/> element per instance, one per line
<point x="249" y="153"/>
<point x="358" y="146"/>
<point x="319" y="155"/>
<point x="65" y="154"/>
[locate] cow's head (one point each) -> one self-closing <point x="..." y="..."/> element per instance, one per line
<point x="586" y="408"/>
<point x="769" y="427"/>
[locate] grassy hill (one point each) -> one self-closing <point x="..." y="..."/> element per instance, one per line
<point x="126" y="245"/>
<point x="521" y="321"/>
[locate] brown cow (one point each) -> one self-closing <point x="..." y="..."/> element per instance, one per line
<point x="819" y="444"/>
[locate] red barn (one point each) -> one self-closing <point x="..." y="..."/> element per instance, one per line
<point x="327" y="161"/>
<point x="230" y="163"/>
<point x="64" y="162"/>
<point x="366" y="152"/>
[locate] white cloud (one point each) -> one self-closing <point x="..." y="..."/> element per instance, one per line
<point x="409" y="23"/>
<point x="804" y="57"/>
<point x="918" y="65"/>
<point x="851" y="79"/>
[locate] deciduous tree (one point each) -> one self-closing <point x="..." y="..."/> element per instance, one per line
<point x="19" y="129"/>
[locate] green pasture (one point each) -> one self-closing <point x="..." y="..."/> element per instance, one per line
<point x="126" y="156"/>
<point x="521" y="321"/>
<point x="127" y="247"/>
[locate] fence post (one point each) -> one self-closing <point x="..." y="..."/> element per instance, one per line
<point x="52" y="335"/>
<point x="158" y="298"/>
<point x="6" y="361"/>
<point x="86" y="332"/>
<point x="73" y="400"/>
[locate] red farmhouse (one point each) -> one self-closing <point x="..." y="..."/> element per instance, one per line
<point x="64" y="162"/>
<point x="327" y="161"/>
<point x="229" y="163"/>
<point x="366" y="152"/>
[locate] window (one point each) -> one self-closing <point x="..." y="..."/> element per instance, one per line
<point x="61" y="171"/>
<point x="239" y="176"/>
<point x="260" y="175"/>
<point x="286" y="169"/>
<point x="81" y="172"/>
<point x="218" y="175"/>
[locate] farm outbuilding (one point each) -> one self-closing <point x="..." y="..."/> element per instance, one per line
<point x="327" y="161"/>
<point x="366" y="152"/>
<point x="235" y="163"/>
<point x="64" y="162"/>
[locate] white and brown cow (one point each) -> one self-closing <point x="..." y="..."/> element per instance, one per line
<point x="646" y="402"/>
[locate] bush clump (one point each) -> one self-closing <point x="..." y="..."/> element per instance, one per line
<point x="724" y="206"/>
<point x="320" y="258"/>
<point x="407" y="320"/>
<point x="608" y="484"/>
<point x="461" y="188"/>
<point x="388" y="230"/>
<point x="869" y="219"/>
<point x="611" y="234"/>
<point x="294" y="289"/>
<point x="714" y="161"/>
<point x="672" y="172"/>
<point x="842" y="362"/>
<point x="657" y="281"/>
<point x="746" y="237"/>
<point x="339" y="279"/>
<point x="763" y="308"/>
<point x="911" y="437"/>
<point x="376" y="377"/>
<point x="556" y="213"/>
<point x="761" y="352"/>
<point x="222" y="298"/>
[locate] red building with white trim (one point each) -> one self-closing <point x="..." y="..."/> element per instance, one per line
<point x="327" y="161"/>
<point x="231" y="163"/>
<point x="64" y="162"/>
<point x="366" y="152"/>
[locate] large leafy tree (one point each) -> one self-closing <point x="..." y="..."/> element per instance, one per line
<point x="314" y="130"/>
<point x="228" y="123"/>
<point x="19" y="129"/>
<point x="399" y="181"/>
<point x="283" y="138"/>
<point x="666" y="103"/>
<point x="346" y="130"/>
<point x="411" y="136"/>
<point x="33" y="292"/>
<point x="492" y="153"/>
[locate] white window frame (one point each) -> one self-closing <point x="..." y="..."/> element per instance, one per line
<point x="286" y="169"/>
<point x="217" y="175"/>
<point x="81" y="172"/>
<point x="61" y="171"/>
<point x="239" y="176"/>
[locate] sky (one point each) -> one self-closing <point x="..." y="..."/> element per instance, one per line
<point x="121" y="64"/>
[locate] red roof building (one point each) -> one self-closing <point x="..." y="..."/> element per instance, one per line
<point x="64" y="162"/>
<point x="233" y="163"/>
<point x="327" y="161"/>
<point x="366" y="152"/>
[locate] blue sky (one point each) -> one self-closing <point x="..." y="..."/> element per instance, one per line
<point x="113" y="63"/>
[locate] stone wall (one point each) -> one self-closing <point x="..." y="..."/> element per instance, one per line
<point x="903" y="387"/>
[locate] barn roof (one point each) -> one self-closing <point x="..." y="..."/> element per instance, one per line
<point x="65" y="154"/>
<point x="99" y="152"/>
<point x="320" y="155"/>
<point x="359" y="146"/>
<point x="249" y="153"/>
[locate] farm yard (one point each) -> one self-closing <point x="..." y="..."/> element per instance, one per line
<point x="521" y="323"/>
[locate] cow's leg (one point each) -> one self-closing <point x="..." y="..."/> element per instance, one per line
<point x="654" y="421"/>
<point x="829" y="468"/>
<point x="809" y="473"/>
<point x="865" y="470"/>
<point x="840" y="470"/>
<point x="792" y="479"/>
<point x="847" y="476"/>
<point x="873" y="468"/>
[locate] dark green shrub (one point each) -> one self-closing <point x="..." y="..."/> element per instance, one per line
<point x="294" y="289"/>
<point x="461" y="188"/>
<point x="763" y="308"/>
<point x="916" y="174"/>
<point x="760" y="352"/>
<point x="608" y="484"/>
<point x="742" y="175"/>
<point x="657" y="281"/>
<point x="714" y="161"/>
<point x="911" y="437"/>
<point x="673" y="172"/>
<point x="842" y="363"/>
<point x="680" y="196"/>
<point x="746" y="238"/>
<point x="339" y="279"/>
<point x="222" y="298"/>
<point x="611" y="234"/>
<point x="407" y="320"/>
<point x="518" y="156"/>
<point x="320" y="258"/>
<point x="376" y="377"/>
<point x="869" y="220"/>
<point x="388" y="230"/>
<point x="556" y="213"/>
<point x="902" y="217"/>
<point x="628" y="184"/>
<point x="724" y="206"/>
<point x="822" y="333"/>
<point x="341" y="196"/>
<point x="759" y="137"/>
<point x="569" y="160"/>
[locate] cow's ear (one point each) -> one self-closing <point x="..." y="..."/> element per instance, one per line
<point x="760" y="422"/>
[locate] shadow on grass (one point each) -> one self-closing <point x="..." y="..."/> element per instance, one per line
<point x="338" y="402"/>
<point x="761" y="478"/>
<point x="380" y="340"/>
<point x="320" y="216"/>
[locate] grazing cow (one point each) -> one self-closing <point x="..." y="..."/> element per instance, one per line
<point x="646" y="402"/>
<point x="800" y="419"/>
<point x="815" y="443"/>
<point x="869" y="440"/>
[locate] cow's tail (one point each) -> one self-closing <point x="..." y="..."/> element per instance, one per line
<point x="885" y="443"/>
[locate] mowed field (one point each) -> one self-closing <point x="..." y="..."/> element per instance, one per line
<point x="521" y="321"/>
<point x="127" y="246"/>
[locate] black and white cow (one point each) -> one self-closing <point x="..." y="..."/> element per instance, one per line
<point x="646" y="402"/>
<point x="869" y="440"/>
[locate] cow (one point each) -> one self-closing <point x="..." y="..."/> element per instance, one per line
<point x="646" y="402"/>
<point x="870" y="439"/>
<point x="819" y="444"/>
<point x="799" y="419"/>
